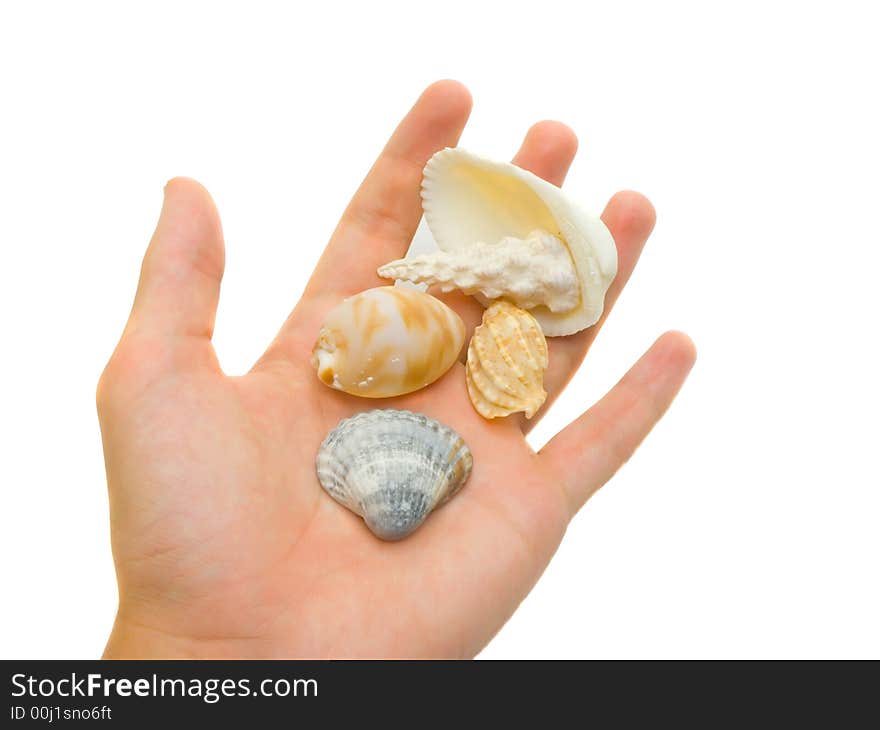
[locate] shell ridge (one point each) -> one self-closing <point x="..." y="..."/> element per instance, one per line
<point x="496" y="359"/>
<point x="392" y="467"/>
<point x="505" y="365"/>
<point x="490" y="391"/>
<point x="498" y="335"/>
<point x="491" y="382"/>
<point x="486" y="347"/>
<point x="530" y="368"/>
<point x="484" y="404"/>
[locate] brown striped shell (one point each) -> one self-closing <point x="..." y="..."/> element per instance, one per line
<point x="387" y="341"/>
<point x="507" y="357"/>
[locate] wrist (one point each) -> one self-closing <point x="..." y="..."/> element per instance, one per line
<point x="129" y="640"/>
<point x="137" y="637"/>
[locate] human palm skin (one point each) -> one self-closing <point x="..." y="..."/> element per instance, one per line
<point x="225" y="544"/>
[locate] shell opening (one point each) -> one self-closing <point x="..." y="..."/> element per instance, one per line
<point x="467" y="198"/>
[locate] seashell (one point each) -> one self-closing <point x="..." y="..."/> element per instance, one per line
<point x="506" y="361"/>
<point x="529" y="272"/>
<point x="467" y="199"/>
<point x="393" y="468"/>
<point x="387" y="341"/>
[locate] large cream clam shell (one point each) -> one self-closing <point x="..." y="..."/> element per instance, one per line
<point x="392" y="468"/>
<point x="387" y="341"/>
<point x="467" y="198"/>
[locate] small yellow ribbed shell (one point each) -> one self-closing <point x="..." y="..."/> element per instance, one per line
<point x="507" y="357"/>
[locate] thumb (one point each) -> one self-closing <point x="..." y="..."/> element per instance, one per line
<point x="180" y="277"/>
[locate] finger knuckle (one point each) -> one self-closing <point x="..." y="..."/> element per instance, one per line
<point x="103" y="388"/>
<point x="121" y="369"/>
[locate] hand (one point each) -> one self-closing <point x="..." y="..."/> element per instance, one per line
<point x="224" y="542"/>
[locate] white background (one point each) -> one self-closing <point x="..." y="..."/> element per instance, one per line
<point x="746" y="526"/>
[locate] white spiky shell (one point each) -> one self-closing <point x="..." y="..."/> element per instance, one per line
<point x="393" y="468"/>
<point x="467" y="198"/>
<point x="529" y="272"/>
<point x="507" y="357"/>
<point x="387" y="341"/>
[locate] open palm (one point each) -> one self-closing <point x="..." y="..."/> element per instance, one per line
<point x="224" y="542"/>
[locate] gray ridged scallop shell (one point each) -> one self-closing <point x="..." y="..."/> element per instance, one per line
<point x="392" y="468"/>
